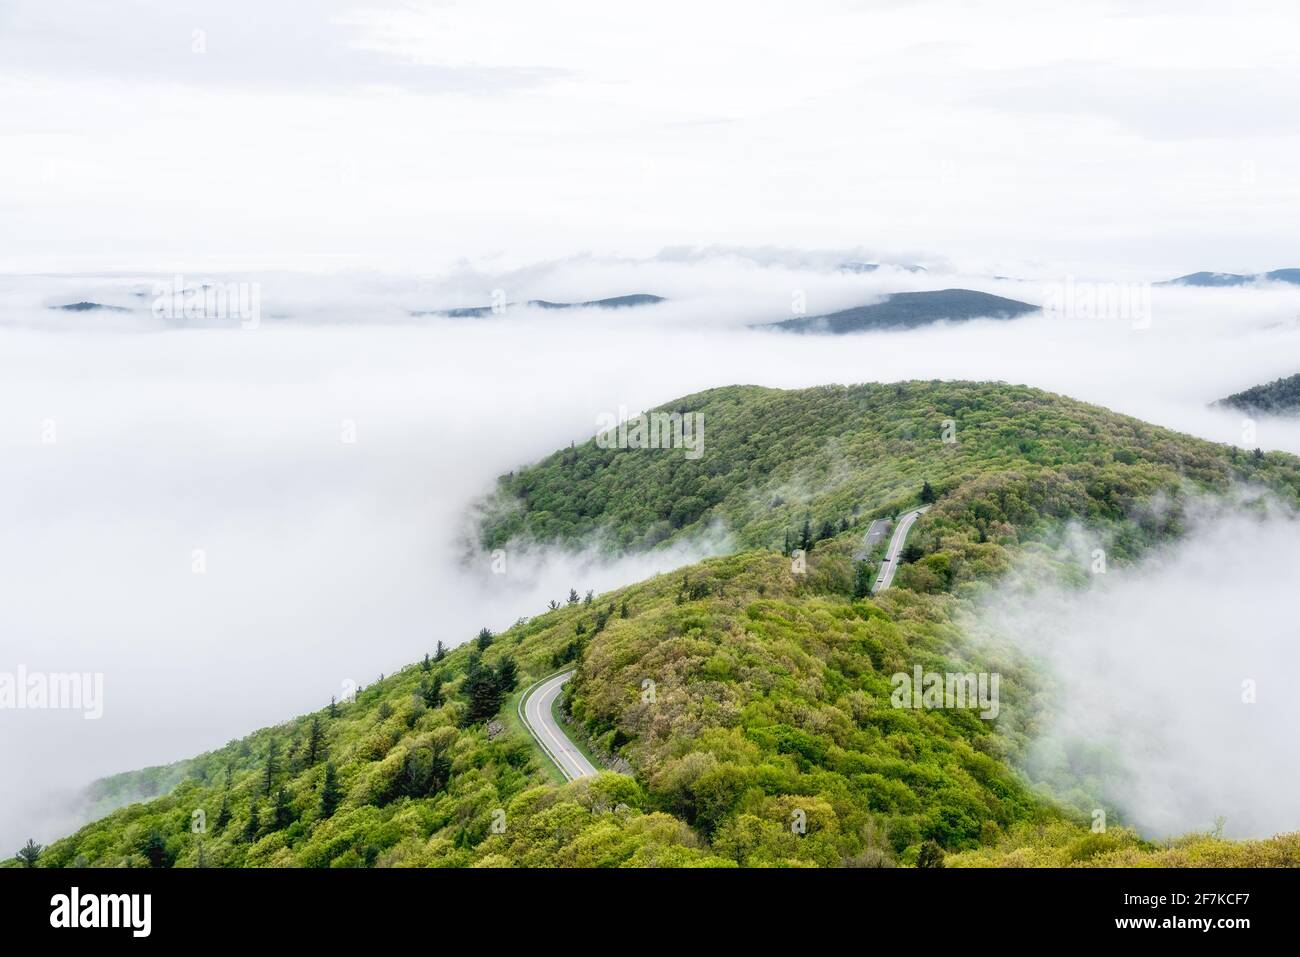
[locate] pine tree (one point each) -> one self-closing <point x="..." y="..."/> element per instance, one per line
<point x="30" y="853"/>
<point x="927" y="493"/>
<point x="315" y="741"/>
<point x="334" y="708"/>
<point x="432" y="692"/>
<point x="439" y="651"/>
<point x="426" y="664"/>
<point x="253" y="826"/>
<point x="272" y="766"/>
<point x="155" y="850"/>
<point x="622" y="611"/>
<point x="330" y="795"/>
<point x="507" y="676"/>
<point x="223" y="813"/>
<point x="482" y="692"/>
<point x="283" y="813"/>
<point x="484" y="639"/>
<point x="573" y="596"/>
<point x="805" y="539"/>
<point x="589" y="597"/>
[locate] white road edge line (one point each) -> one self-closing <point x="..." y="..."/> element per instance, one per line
<point x="530" y="713"/>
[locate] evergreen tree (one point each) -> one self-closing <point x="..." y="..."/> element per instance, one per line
<point x="622" y="611"/>
<point x="272" y="767"/>
<point x="426" y="664"/>
<point x="507" y="676"/>
<point x="29" y="853"/>
<point x="432" y="692"/>
<point x="484" y="639"/>
<point x="315" y="741"/>
<point x="253" y="826"/>
<point x="482" y="691"/>
<point x="334" y="708"/>
<point x="589" y="597"/>
<point x="439" y="651"/>
<point x="805" y="538"/>
<point x="573" y="596"/>
<point x="424" y="772"/>
<point x="927" y="493"/>
<point x="155" y="850"/>
<point x="863" y="581"/>
<point x="223" y="813"/>
<point x="283" y="813"/>
<point x="330" y="795"/>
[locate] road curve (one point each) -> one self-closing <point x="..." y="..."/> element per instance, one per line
<point x="889" y="564"/>
<point x="535" y="703"/>
<point x="535" y="712"/>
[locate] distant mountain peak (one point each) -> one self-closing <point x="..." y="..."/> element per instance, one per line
<point x="86" y="306"/>
<point x="1222" y="279"/>
<point x="907" y="310"/>
<point x="1279" y="397"/>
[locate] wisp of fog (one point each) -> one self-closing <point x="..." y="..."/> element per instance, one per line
<point x="1168" y="696"/>
<point x="229" y="523"/>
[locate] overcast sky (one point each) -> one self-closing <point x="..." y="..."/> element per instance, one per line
<point x="405" y="136"/>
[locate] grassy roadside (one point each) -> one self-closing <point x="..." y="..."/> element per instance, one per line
<point x="511" y="712"/>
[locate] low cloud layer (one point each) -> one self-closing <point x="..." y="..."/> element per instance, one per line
<point x="1169" y="696"/>
<point x="323" y="463"/>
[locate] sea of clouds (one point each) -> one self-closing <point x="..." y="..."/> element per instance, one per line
<point x="323" y="464"/>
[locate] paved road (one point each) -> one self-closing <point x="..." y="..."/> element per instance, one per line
<point x="875" y="532"/>
<point x="535" y="705"/>
<point x="889" y="564"/>
<point x="535" y="712"/>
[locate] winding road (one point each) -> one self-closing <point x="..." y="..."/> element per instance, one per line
<point x="536" y="703"/>
<point x="889" y="564"/>
<point x="535" y="712"/>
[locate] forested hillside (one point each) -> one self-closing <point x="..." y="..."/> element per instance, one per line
<point x="1280" y="397"/>
<point x="744" y="693"/>
<point x="907" y="310"/>
<point x="1011" y="455"/>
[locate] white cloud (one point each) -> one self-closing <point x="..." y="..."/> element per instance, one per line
<point x="404" y="136"/>
<point x="1152" y="669"/>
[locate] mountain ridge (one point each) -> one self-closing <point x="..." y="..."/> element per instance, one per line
<point x="768" y="694"/>
<point x="908" y="310"/>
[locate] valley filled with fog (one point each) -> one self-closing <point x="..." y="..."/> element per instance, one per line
<point x="322" y="468"/>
